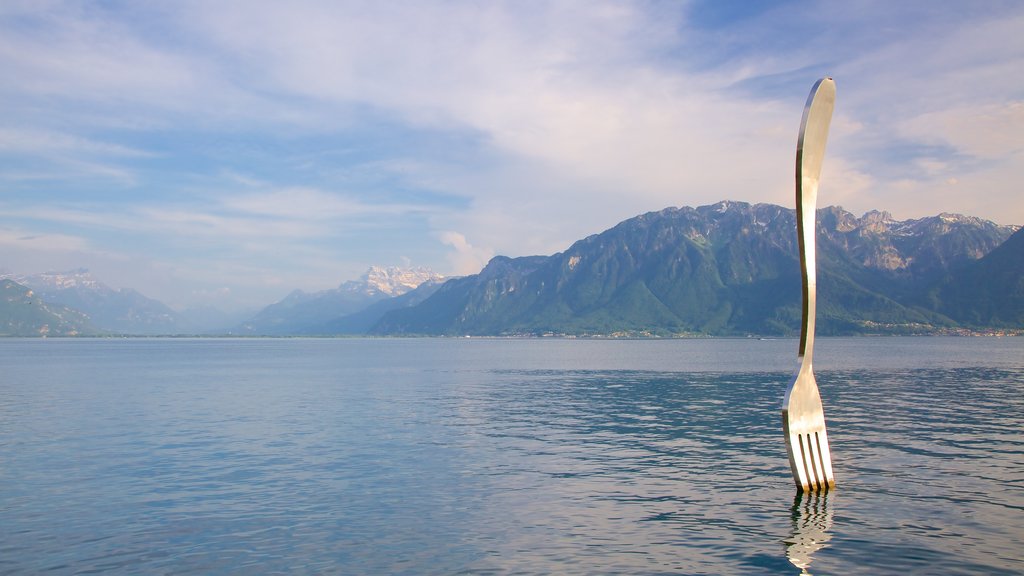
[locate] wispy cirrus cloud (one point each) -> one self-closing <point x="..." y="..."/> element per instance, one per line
<point x="26" y="141"/>
<point x="17" y="240"/>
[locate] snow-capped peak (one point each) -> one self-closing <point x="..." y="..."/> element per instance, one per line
<point x="392" y="280"/>
<point x="80" y="278"/>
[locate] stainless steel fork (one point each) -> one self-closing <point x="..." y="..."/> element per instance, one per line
<point x="803" y="418"/>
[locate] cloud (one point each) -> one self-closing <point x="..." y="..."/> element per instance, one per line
<point x="465" y="258"/>
<point x="51" y="155"/>
<point x="108" y="56"/>
<point x="934" y="103"/>
<point x="609" y="96"/>
<point x="568" y="93"/>
<point x="571" y="85"/>
<point x="988" y="131"/>
<point x="45" y="141"/>
<point x="593" y="92"/>
<point x="16" y="240"/>
<point x="312" y="205"/>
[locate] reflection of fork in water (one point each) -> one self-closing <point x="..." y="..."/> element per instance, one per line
<point x="812" y="520"/>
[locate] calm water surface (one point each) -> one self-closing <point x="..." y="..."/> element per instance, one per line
<point x="449" y="456"/>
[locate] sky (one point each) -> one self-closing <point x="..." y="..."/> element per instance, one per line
<point x="226" y="153"/>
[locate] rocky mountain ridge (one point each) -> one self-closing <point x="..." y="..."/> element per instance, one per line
<point x="726" y="269"/>
<point x="391" y="280"/>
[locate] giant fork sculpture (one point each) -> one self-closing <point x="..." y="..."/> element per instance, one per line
<point x="803" y="419"/>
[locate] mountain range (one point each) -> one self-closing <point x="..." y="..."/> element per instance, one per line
<point x="732" y="269"/>
<point x="302" y="313"/>
<point x="107" y="309"/>
<point x="726" y="269"/>
<point x="24" y="313"/>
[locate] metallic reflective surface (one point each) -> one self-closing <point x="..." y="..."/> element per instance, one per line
<point x="812" y="525"/>
<point x="803" y="419"/>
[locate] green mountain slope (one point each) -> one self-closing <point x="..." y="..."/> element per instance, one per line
<point x="988" y="292"/>
<point x="726" y="269"/>
<point x="22" y="313"/>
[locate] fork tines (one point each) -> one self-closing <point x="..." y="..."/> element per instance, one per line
<point x="811" y="461"/>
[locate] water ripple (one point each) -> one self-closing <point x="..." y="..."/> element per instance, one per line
<point x="504" y="457"/>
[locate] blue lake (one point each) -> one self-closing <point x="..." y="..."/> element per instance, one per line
<point x="481" y="456"/>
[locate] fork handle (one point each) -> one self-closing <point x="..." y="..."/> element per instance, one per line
<point x="805" y="225"/>
<point x="810" y="154"/>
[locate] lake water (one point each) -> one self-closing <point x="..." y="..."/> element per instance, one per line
<point x="478" y="456"/>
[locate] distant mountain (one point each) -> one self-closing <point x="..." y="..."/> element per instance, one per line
<point x="988" y="292"/>
<point x="305" y="313"/>
<point x="728" y="268"/>
<point x="122" y="311"/>
<point x="392" y="280"/>
<point x="363" y="321"/>
<point x="24" y="313"/>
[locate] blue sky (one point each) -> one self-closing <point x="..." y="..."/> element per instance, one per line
<point x="228" y="152"/>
